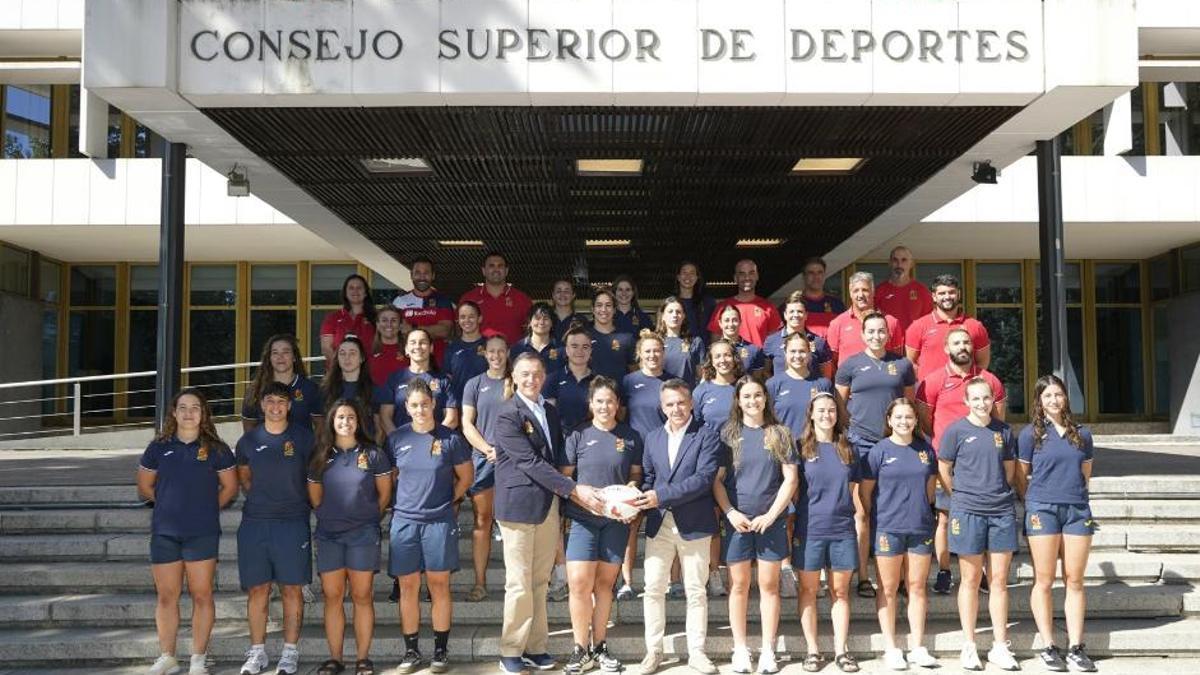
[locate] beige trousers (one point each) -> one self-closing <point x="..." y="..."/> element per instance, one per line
<point x="528" y="562"/>
<point x="693" y="558"/>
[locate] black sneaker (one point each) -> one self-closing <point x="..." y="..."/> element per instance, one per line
<point x="943" y="583"/>
<point x="411" y="662"/>
<point x="1053" y="660"/>
<point x="608" y="662"/>
<point x="580" y="661"/>
<point x="1078" y="660"/>
<point x="440" y="662"/>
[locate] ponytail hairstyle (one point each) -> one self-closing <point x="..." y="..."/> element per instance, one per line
<point x="708" y="371"/>
<point x="327" y="438"/>
<point x="1039" y="414"/>
<point x="331" y="386"/>
<point x="808" y="438"/>
<point x="647" y="335"/>
<point x="777" y="437"/>
<point x="266" y="374"/>
<point x="209" y="440"/>
<point x="887" y="416"/>
<point x="660" y="326"/>
<point x="725" y="310"/>
<point x="509" y="387"/>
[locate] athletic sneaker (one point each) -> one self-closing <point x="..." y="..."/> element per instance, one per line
<point x="741" y="660"/>
<point x="968" y="658"/>
<point x="766" y="662"/>
<point x="894" y="659"/>
<point x="511" y="665"/>
<point x="1052" y="659"/>
<point x="411" y="662"/>
<point x="289" y="662"/>
<point x="943" y="583"/>
<point x="164" y="665"/>
<point x="921" y="657"/>
<point x="787" y="583"/>
<point x="1000" y="656"/>
<point x="626" y="592"/>
<point x="1078" y="660"/>
<point x="608" y="663"/>
<point x="716" y="587"/>
<point x="539" y="661"/>
<point x="675" y="591"/>
<point x="440" y="662"/>
<point x="256" y="661"/>
<point x="198" y="665"/>
<point x="580" y="661"/>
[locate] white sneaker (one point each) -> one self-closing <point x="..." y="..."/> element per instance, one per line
<point x="969" y="657"/>
<point x="921" y="657"/>
<point x="165" y="665"/>
<point x="766" y="662"/>
<point x="256" y="661"/>
<point x="1000" y="656"/>
<point x="199" y="665"/>
<point x="741" y="660"/>
<point x="894" y="659"/>
<point x="289" y="662"/>
<point x="716" y="589"/>
<point x="787" y="583"/>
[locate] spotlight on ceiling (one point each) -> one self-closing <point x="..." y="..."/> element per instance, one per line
<point x="984" y="173"/>
<point x="239" y="184"/>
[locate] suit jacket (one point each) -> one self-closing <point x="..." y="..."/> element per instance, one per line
<point x="527" y="477"/>
<point x="686" y="490"/>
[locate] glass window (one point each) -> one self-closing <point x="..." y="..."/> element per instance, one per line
<point x="326" y="282"/>
<point x="143" y="352"/>
<point x="1190" y="259"/>
<point x="1118" y="283"/>
<point x="833" y="284"/>
<point x="93" y="285"/>
<point x="14" y="271"/>
<point x="1162" y="361"/>
<point x="73" y="123"/>
<point x="267" y="322"/>
<point x="927" y="272"/>
<point x="211" y="343"/>
<point x="879" y="270"/>
<point x="143" y="285"/>
<point x="1179" y="117"/>
<point x="1073" y="278"/>
<point x="114" y="132"/>
<point x="1137" y="121"/>
<point x="146" y="143"/>
<point x="315" y="317"/>
<point x="50" y="281"/>
<point x="214" y="285"/>
<point x="1074" y="353"/>
<point x="49" y="358"/>
<point x="1119" y="353"/>
<point x="273" y="285"/>
<point x="1005" y="332"/>
<point x="382" y="290"/>
<point x="90" y="349"/>
<point x="1162" y="277"/>
<point x="998" y="283"/>
<point x="26" y="121"/>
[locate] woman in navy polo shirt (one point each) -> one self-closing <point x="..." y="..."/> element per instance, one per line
<point x="563" y="295"/>
<point x="1056" y="463"/>
<point x="629" y="315"/>
<point x="418" y="346"/>
<point x="791" y="389"/>
<point x="730" y="322"/>
<point x="387" y="354"/>
<point x="682" y="351"/>
<point x="483" y="396"/>
<point x="349" y="377"/>
<point x="350" y="486"/>
<point x="280" y="362"/>
<point x="189" y="474"/>
<point x="433" y="471"/>
<point x="754" y="490"/>
<point x="713" y="397"/>
<point x="567" y="388"/>
<point x="639" y="389"/>
<point x="977" y="464"/>
<point x="464" y="355"/>
<point x="612" y="349"/>
<point x="605" y="452"/>
<point x="903" y="468"/>
<point x="539" y="338"/>
<point x="825" y="533"/>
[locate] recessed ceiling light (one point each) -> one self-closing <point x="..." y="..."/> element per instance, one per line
<point x="607" y="243"/>
<point x="608" y="167"/>
<point x="409" y="166"/>
<point x="759" y="243"/>
<point x="828" y="165"/>
<point x="710" y="284"/>
<point x="461" y="243"/>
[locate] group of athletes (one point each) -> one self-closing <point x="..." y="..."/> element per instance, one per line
<point x="817" y="437"/>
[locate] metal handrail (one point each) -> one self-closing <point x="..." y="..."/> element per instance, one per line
<point x="143" y="373"/>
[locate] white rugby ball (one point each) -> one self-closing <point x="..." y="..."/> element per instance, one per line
<point x="615" y="498"/>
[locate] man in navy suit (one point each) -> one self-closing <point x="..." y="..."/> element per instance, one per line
<point x="528" y="487"/>
<point x="680" y="464"/>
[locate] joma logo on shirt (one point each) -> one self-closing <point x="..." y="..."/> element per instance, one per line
<point x="969" y="439"/>
<point x="591" y="443"/>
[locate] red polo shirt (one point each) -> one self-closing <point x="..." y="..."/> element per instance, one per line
<point x="505" y="313"/>
<point x="386" y="361"/>
<point x="944" y="392"/>
<point x="759" y="318"/>
<point x="341" y="322"/>
<point x="927" y="335"/>
<point x="845" y="336"/>
<point x="907" y="303"/>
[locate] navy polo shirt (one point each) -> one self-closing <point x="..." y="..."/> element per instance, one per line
<point x="640" y="394"/>
<point x="978" y="454"/>
<point x="306" y="403"/>
<point x="681" y="358"/>
<point x="553" y="355"/>
<point x="570" y="396"/>
<point x="426" y="461"/>
<point x="396" y="390"/>
<point x="633" y="322"/>
<point x="601" y="458"/>
<point x="349" y="498"/>
<point x="790" y="397"/>
<point x="611" y="353"/>
<point x="874" y="383"/>
<point x="464" y="360"/>
<point x="278" y="468"/>
<point x="773" y="350"/>
<point x="561" y="326"/>
<point x="901" y="473"/>
<point x="486" y="396"/>
<point x="826" y="494"/>
<point x="754" y="482"/>
<point x="186" y="487"/>
<point x="699" y="313"/>
<point x="752" y="356"/>
<point x="711" y="403"/>
<point x="1057" y="466"/>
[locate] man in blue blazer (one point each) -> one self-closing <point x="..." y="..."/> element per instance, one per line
<point x="679" y="465"/>
<point x="528" y="487"/>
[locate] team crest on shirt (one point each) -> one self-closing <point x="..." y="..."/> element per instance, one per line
<point x="635" y="320"/>
<point x="202" y="454"/>
<point x="362" y="460"/>
<point x="923" y="455"/>
<point x="552" y="354"/>
<point x="436" y="448"/>
<point x="683" y="347"/>
<point x="744" y="353"/>
<point x="619" y="445"/>
<point x="999" y="438"/>
<point x="616" y="344"/>
<point x="528" y="428"/>
<point x="289" y="449"/>
<point x="884" y="545"/>
<point x="481" y="350"/>
<point x="434" y="386"/>
<point x="955" y="527"/>
<point x="891" y="369"/>
<point x="297" y="395"/>
<point x="828" y="307"/>
<point x="758" y="311"/>
<point x="912" y="295"/>
<point x="1035" y="521"/>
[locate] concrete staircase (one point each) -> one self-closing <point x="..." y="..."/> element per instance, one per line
<point x="75" y="587"/>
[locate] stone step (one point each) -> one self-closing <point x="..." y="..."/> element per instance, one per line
<point x="1108" y="600"/>
<point x="1141" y="510"/>
<point x="1144" y="487"/>
<point x="45" y="647"/>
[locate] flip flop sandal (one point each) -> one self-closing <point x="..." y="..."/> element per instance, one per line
<point x="364" y="667"/>
<point x="331" y="667"/>
<point x="846" y="663"/>
<point x="812" y="663"/>
<point x="865" y="589"/>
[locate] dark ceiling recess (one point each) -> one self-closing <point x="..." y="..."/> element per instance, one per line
<point x="506" y="176"/>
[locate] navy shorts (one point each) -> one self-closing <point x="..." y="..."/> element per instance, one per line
<point x="771" y="545"/>
<point x="972" y="534"/>
<point x="356" y="550"/>
<point x="274" y="550"/>
<point x="166" y="548"/>
<point x="589" y="542"/>
<point x="422" y="547"/>
<point x="941" y="499"/>
<point x="813" y="555"/>
<point x="887" y="545"/>
<point x="862" y="448"/>
<point x="485" y="474"/>
<point x="1073" y="519"/>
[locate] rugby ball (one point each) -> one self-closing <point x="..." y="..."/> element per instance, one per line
<point x="615" y="498"/>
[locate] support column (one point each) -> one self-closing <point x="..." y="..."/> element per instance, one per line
<point x="1053" y="323"/>
<point x="170" y="279"/>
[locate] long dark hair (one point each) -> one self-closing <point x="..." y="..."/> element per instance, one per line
<point x="808" y="438"/>
<point x="1039" y="414"/>
<point x="660" y="326"/>
<point x="633" y="302"/>
<point x="327" y="437"/>
<point x="266" y="374"/>
<point x="368" y="303"/>
<point x="544" y="309"/>
<point x="709" y="372"/>
<point x="777" y="437"/>
<point x="208" y="430"/>
<point x="331" y="387"/>
<point x="699" y="293"/>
